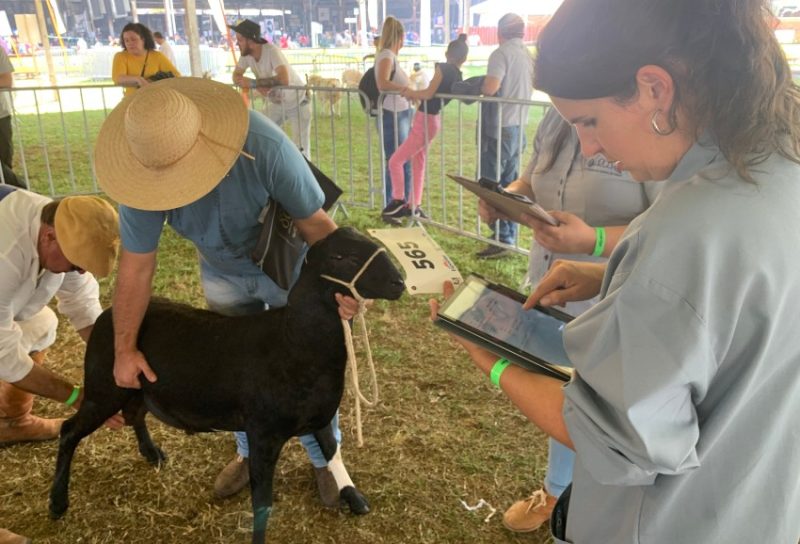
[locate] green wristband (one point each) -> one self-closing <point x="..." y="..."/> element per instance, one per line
<point x="497" y="371"/>
<point x="76" y="391"/>
<point x="600" y="241"/>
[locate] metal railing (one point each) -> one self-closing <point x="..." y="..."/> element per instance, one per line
<point x="55" y="129"/>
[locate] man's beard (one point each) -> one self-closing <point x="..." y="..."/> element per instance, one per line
<point x="246" y="50"/>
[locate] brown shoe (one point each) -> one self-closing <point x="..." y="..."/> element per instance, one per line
<point x="327" y="487"/>
<point x="233" y="478"/>
<point x="7" y="537"/>
<point x="528" y="515"/>
<point x="16" y="422"/>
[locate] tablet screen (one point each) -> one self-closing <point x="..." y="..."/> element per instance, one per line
<point x="481" y="306"/>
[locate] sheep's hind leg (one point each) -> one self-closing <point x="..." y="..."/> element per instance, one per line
<point x="348" y="493"/>
<point x="89" y="418"/>
<point x="264" y="453"/>
<point x="134" y="413"/>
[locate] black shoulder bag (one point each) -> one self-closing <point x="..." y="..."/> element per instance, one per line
<point x="279" y="245"/>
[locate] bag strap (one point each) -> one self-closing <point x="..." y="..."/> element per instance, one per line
<point x="145" y="63"/>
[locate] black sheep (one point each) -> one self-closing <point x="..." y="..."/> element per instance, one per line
<point x="274" y="375"/>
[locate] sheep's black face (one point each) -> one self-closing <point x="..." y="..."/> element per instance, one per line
<point x="344" y="253"/>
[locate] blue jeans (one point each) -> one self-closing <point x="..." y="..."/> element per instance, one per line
<point x="559" y="468"/>
<point x="403" y="126"/>
<point x="511" y="147"/>
<point x="230" y="294"/>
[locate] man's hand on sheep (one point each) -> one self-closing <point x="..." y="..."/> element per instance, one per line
<point x="127" y="367"/>
<point x="348" y="306"/>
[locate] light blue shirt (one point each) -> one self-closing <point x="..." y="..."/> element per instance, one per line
<point x="684" y="408"/>
<point x="224" y="224"/>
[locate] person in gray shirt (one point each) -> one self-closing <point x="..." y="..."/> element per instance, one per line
<point x="683" y="407"/>
<point x="509" y="74"/>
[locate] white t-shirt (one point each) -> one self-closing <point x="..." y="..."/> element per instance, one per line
<point x="393" y="102"/>
<point x="5" y="96"/>
<point x="167" y="51"/>
<point x="271" y="58"/>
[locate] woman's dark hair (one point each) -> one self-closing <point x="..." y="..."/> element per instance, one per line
<point x="457" y="50"/>
<point x="143" y="32"/>
<point x="730" y="73"/>
<point x="554" y="145"/>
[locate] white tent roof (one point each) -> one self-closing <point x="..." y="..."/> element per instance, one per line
<point x="491" y="10"/>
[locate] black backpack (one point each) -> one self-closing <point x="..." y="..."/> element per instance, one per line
<point x="368" y="86"/>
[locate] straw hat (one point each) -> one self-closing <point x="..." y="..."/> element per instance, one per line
<point x="170" y="143"/>
<point x="87" y="230"/>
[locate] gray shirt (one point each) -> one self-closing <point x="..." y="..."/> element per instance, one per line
<point x="590" y="188"/>
<point x="684" y="407"/>
<point x="512" y="64"/>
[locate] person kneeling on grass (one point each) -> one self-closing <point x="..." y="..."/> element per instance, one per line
<point x="47" y="248"/>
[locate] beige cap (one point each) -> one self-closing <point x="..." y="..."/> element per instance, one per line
<point x="87" y="230"/>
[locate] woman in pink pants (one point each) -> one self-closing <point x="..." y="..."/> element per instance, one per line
<point x="424" y="129"/>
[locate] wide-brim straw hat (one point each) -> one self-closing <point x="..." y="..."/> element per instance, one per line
<point x="170" y="143"/>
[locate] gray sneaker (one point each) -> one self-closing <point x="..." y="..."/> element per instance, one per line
<point x="233" y="478"/>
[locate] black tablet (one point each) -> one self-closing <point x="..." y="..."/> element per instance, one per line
<point x="491" y="315"/>
<point x="511" y="204"/>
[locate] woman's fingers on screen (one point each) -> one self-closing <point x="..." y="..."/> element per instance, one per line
<point x="433" y="304"/>
<point x="448" y="289"/>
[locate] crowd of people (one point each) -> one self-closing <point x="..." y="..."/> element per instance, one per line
<point x="670" y="161"/>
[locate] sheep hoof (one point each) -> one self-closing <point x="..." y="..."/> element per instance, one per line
<point x="57" y="511"/>
<point x="155" y="456"/>
<point x="355" y="500"/>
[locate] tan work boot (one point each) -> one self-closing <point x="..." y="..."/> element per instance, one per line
<point x="529" y="514"/>
<point x="16" y="422"/>
<point x="327" y="487"/>
<point x="7" y="537"/>
<point x="233" y="478"/>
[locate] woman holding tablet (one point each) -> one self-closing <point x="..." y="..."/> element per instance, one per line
<point x="682" y="410"/>
<point x="593" y="202"/>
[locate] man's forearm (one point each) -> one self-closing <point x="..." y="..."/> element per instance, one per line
<point x="43" y="382"/>
<point x="315" y="227"/>
<point x="273" y="81"/>
<point x="131" y="298"/>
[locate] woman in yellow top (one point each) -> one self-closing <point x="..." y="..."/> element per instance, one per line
<point x="139" y="60"/>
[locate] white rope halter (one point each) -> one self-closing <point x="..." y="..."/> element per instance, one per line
<point x="348" y="340"/>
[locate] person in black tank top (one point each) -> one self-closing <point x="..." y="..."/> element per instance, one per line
<point x="424" y="129"/>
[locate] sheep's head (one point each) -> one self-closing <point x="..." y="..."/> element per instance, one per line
<point x="344" y="253"/>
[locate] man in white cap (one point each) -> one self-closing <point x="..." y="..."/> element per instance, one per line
<point x="509" y="74"/>
<point x="188" y="153"/>
<point x="272" y="69"/>
<point x="47" y="248"/>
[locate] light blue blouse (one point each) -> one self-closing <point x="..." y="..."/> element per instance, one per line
<point x="684" y="407"/>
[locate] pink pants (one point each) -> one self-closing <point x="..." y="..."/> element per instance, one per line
<point x="414" y="148"/>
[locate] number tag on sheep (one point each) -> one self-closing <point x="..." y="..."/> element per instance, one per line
<point x="257" y="373"/>
<point x="427" y="267"/>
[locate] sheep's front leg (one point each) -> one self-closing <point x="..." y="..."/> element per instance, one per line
<point x="264" y="452"/>
<point x="348" y="492"/>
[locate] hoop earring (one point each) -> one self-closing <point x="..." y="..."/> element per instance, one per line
<point x="656" y="128"/>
